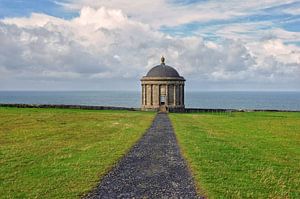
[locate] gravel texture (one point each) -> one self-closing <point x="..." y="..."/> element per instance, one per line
<point x="153" y="168"/>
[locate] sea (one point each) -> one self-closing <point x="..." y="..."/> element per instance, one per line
<point x="193" y="99"/>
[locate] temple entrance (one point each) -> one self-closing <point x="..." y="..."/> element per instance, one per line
<point x="163" y="107"/>
<point x="162" y="100"/>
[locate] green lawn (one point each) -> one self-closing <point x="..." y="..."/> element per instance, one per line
<point x="62" y="153"/>
<point x="242" y="155"/>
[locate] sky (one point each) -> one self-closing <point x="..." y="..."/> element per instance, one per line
<point x="110" y="44"/>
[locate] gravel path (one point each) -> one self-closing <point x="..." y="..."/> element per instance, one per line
<point x="154" y="168"/>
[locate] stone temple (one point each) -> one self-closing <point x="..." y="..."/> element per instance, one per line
<point x="163" y="89"/>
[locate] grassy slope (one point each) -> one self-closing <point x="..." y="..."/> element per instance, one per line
<point x="62" y="153"/>
<point x="243" y="154"/>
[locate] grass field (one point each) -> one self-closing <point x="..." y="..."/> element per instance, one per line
<point x="242" y="155"/>
<point x="62" y="153"/>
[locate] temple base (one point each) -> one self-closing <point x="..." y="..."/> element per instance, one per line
<point x="164" y="108"/>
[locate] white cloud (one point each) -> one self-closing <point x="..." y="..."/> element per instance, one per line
<point x="168" y="13"/>
<point x="36" y="20"/>
<point x="251" y="31"/>
<point x="293" y="11"/>
<point x="276" y="59"/>
<point x="107" y="44"/>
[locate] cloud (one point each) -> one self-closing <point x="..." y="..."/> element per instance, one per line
<point x="293" y="11"/>
<point x="172" y="13"/>
<point x="106" y="44"/>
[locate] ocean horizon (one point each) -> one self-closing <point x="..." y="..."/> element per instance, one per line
<point x="278" y="100"/>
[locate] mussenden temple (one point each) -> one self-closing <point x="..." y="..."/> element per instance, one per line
<point x="163" y="89"/>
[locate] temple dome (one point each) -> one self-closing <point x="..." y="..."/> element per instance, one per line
<point x="162" y="70"/>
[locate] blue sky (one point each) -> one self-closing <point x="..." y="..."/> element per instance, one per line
<point x="273" y="14"/>
<point x="19" y="8"/>
<point x="216" y="44"/>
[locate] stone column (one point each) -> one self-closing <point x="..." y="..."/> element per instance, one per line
<point x="145" y="90"/>
<point x="145" y="94"/>
<point x="179" y="95"/>
<point x="167" y="94"/>
<point x="159" y="94"/>
<point x="175" y="86"/>
<point x="148" y="94"/>
<point x="142" y="94"/>
<point x="180" y="91"/>
<point x="182" y="96"/>
<point x="151" y="95"/>
<point x="155" y="95"/>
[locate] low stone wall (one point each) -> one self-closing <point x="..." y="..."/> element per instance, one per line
<point x="201" y="110"/>
<point x="69" y="106"/>
<point x="171" y="110"/>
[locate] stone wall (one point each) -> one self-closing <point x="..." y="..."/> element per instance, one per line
<point x="204" y="110"/>
<point x="69" y="106"/>
<point x="172" y="110"/>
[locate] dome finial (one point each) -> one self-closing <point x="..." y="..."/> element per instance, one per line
<point x="162" y="60"/>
